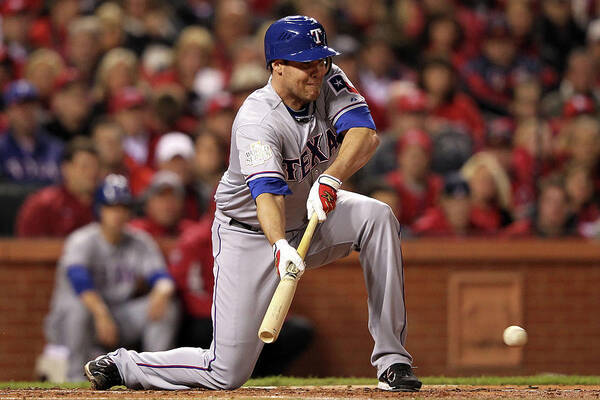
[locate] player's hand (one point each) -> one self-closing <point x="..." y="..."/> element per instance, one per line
<point x="322" y="196"/>
<point x="106" y="330"/>
<point x="287" y="259"/>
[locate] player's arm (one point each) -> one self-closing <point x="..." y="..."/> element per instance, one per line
<point x="270" y="210"/>
<point x="357" y="148"/>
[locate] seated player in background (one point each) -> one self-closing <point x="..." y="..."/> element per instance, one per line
<point x="60" y="209"/>
<point x="191" y="266"/>
<point x="552" y="217"/>
<point x="452" y="216"/>
<point x="112" y="288"/>
<point x="163" y="207"/>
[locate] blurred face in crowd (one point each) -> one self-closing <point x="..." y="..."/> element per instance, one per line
<point x="413" y="161"/>
<point x="443" y="35"/>
<point x="220" y="123"/>
<point x="23" y="117"/>
<point x="557" y="11"/>
<point x="584" y="143"/>
<point x="209" y="157"/>
<point x="483" y="186"/>
<point x="81" y="173"/>
<point x="165" y="207"/>
<point x="190" y="60"/>
<point x="519" y="17"/>
<point x="438" y="80"/>
<point x="64" y="11"/>
<point x="580" y="72"/>
<point x="83" y="51"/>
<point x="580" y="188"/>
<point x="526" y="99"/>
<point x="378" y="58"/>
<point x="119" y="77"/>
<point x="457" y="210"/>
<point x="42" y="76"/>
<point x="71" y="104"/>
<point x="180" y="166"/>
<point x="15" y="27"/>
<point x="114" y="218"/>
<point x="232" y="22"/>
<point x="298" y="83"/>
<point x="133" y="120"/>
<point x="108" y="140"/>
<point x="553" y="210"/>
<point x="500" y="51"/>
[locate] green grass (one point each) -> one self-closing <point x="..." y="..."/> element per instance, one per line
<point x="545" y="379"/>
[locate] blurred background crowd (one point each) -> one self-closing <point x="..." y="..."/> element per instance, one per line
<point x="488" y="109"/>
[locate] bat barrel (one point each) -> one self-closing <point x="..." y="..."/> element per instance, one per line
<point x="268" y="336"/>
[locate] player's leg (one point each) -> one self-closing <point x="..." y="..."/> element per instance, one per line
<point x="368" y="225"/>
<point x="244" y="283"/>
<point x="70" y="324"/>
<point x="133" y="322"/>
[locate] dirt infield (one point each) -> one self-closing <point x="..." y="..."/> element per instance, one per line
<point x="320" y="392"/>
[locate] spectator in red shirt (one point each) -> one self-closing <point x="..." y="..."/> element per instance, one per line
<point x="452" y="216"/>
<point x="58" y="210"/>
<point x="129" y="108"/>
<point x="532" y="159"/>
<point x="51" y="31"/>
<point x="163" y="207"/>
<point x="108" y="139"/>
<point x="118" y="69"/>
<point x="447" y="105"/>
<point x="490" y="193"/>
<point x="175" y="153"/>
<point x="418" y="189"/>
<point x="552" y="217"/>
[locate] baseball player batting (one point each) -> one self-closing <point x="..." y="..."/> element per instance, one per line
<point x="294" y="142"/>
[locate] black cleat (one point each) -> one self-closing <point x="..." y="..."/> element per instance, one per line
<point x="399" y="378"/>
<point x="102" y="373"/>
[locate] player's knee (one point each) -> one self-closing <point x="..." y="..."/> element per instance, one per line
<point x="234" y="383"/>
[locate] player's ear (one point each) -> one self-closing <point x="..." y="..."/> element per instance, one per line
<point x="277" y="66"/>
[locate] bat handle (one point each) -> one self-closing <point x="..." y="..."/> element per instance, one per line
<point x="307" y="237"/>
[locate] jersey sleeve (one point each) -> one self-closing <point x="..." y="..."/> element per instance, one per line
<point x="74" y="262"/>
<point x="261" y="161"/>
<point x="346" y="107"/>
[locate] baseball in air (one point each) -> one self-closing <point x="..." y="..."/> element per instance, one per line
<point x="515" y="336"/>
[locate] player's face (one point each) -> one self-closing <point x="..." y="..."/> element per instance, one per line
<point x="302" y="80"/>
<point x="114" y="218"/>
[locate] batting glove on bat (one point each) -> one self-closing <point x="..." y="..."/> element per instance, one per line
<point x="322" y="196"/>
<point x="287" y="259"/>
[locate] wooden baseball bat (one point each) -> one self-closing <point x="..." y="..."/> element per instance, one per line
<point x="282" y="298"/>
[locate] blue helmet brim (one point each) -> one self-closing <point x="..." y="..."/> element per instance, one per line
<point x="316" y="53"/>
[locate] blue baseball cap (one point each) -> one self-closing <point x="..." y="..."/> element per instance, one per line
<point x="20" y="91"/>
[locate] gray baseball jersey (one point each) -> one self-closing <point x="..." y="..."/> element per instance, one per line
<point x="279" y="151"/>
<point x="267" y="141"/>
<point x="116" y="272"/>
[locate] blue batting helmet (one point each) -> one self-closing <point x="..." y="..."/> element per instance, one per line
<point x="297" y="38"/>
<point x="114" y="190"/>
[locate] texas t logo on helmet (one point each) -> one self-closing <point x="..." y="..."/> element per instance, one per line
<point x="317" y="35"/>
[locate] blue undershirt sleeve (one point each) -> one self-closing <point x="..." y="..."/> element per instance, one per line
<point x="359" y="117"/>
<point x="80" y="278"/>
<point x="268" y="185"/>
<point x="155" y="277"/>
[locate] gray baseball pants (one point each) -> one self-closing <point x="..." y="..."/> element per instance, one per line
<point x="245" y="280"/>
